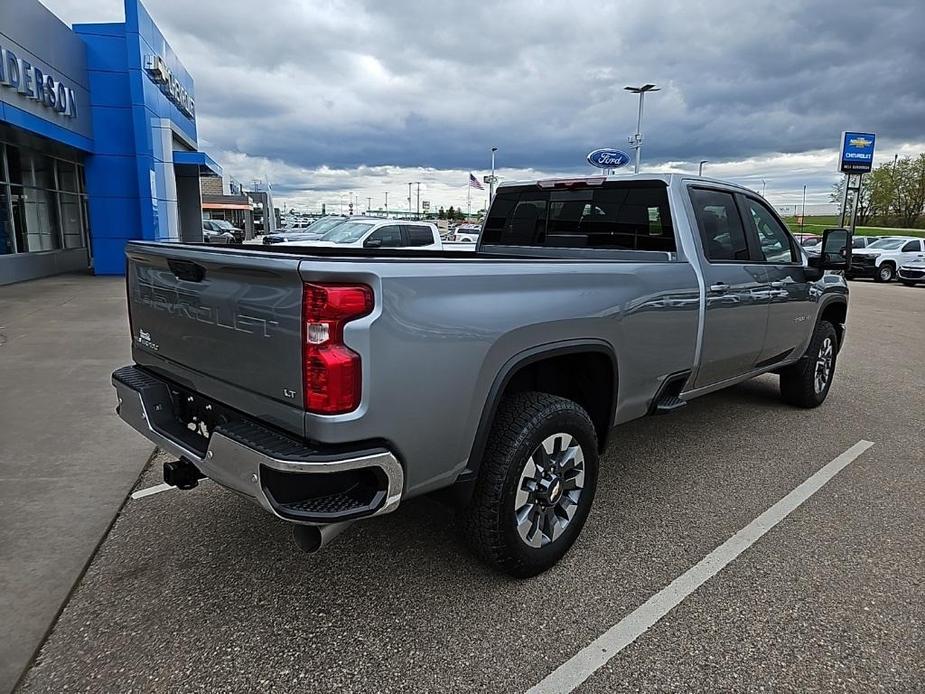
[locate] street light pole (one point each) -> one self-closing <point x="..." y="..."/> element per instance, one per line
<point x="702" y="162"/>
<point x="636" y="140"/>
<point x="369" y="204"/>
<point x="387" y="205"/>
<point x="764" y="187"/>
<point x="417" y="206"/>
<point x="803" y="210"/>
<point x="491" y="183"/>
<point x="409" y="198"/>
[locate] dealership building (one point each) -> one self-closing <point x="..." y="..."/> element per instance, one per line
<point x="98" y="142"/>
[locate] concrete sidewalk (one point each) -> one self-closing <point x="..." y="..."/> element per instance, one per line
<point x="66" y="461"/>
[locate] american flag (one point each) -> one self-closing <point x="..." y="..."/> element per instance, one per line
<point x="474" y="182"/>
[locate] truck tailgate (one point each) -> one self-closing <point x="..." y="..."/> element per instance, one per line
<point x="222" y="314"/>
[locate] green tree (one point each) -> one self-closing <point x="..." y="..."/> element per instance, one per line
<point x="909" y="189"/>
<point x="441" y="214"/>
<point x="451" y="213"/>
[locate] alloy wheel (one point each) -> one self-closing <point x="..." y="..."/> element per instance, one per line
<point x="824" y="362"/>
<point x="549" y="489"/>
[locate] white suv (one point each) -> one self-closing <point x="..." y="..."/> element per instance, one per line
<point x="881" y="259"/>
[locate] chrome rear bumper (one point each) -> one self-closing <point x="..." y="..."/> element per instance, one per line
<point x="261" y="463"/>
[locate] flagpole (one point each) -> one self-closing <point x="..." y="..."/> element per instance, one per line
<point x="468" y="198"/>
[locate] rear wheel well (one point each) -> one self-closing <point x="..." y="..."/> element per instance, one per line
<point x="585" y="377"/>
<point x="836" y="313"/>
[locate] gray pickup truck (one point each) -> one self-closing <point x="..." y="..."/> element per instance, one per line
<point x="330" y="385"/>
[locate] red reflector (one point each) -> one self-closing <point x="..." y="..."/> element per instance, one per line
<point x="332" y="372"/>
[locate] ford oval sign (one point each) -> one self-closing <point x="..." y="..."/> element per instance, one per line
<point x="608" y="158"/>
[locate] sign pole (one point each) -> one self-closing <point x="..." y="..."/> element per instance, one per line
<point x="857" y="202"/>
<point x="844" y="201"/>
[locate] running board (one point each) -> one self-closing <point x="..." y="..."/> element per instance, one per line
<point x="668" y="399"/>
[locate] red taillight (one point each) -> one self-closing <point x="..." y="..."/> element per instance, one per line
<point x="331" y="371"/>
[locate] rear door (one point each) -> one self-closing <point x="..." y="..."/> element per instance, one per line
<point x="418" y="236"/>
<point x="788" y="290"/>
<point x="736" y="316"/>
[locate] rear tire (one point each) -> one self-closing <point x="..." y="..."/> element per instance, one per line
<point x="807" y="383"/>
<point x="535" y="486"/>
<point x="885" y="273"/>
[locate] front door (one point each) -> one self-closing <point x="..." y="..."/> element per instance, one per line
<point x="736" y="314"/>
<point x="788" y="292"/>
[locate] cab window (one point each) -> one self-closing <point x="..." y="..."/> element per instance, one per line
<point x="720" y="226"/>
<point x="773" y="239"/>
<point x="387" y="237"/>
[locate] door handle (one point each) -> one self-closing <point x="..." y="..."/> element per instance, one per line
<point x="719" y="287"/>
<point x="777" y="285"/>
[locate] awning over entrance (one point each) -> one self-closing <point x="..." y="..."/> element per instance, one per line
<point x="206" y="164"/>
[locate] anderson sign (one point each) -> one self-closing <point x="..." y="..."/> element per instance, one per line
<point x="27" y="79"/>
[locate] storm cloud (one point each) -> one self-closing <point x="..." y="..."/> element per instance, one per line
<point x="308" y="86"/>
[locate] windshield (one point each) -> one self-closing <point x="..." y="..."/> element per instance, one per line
<point x="324" y="225"/>
<point x="888" y="244"/>
<point x="348" y="232"/>
<point x="223" y="225"/>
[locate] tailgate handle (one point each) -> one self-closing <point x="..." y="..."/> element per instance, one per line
<point x="186" y="270"/>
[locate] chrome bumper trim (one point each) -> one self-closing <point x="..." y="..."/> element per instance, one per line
<point x="237" y="467"/>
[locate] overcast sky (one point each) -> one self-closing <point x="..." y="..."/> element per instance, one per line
<point x="329" y="97"/>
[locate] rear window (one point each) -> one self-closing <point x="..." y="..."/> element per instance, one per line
<point x="419" y="235"/>
<point x="619" y="216"/>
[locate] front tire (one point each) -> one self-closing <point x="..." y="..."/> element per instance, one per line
<point x="536" y="484"/>
<point x="885" y="273"/>
<point x="807" y="383"/>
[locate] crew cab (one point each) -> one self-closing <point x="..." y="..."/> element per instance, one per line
<point x="881" y="259"/>
<point x="331" y="384"/>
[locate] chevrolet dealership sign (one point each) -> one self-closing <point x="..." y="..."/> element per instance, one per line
<point x="27" y="79"/>
<point x="162" y="76"/>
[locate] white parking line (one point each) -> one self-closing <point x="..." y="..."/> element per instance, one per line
<point x="156" y="489"/>
<point x="595" y="655"/>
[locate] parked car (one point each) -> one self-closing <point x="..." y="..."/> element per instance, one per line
<point x="378" y="233"/>
<point x="331" y="384"/>
<point x="210" y="235"/>
<point x="314" y="231"/>
<point x="808" y="239"/>
<point x="857" y="242"/>
<point x="912" y="272"/>
<point x="881" y="258"/>
<point x="224" y="226"/>
<point x="466" y="233"/>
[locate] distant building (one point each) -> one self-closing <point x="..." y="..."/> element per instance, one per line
<point x="225" y="198"/>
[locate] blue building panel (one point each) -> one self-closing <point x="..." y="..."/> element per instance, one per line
<point x="108" y="88"/>
<point x="27" y="121"/>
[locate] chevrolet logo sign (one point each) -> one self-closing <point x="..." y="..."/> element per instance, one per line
<point x="861" y="142"/>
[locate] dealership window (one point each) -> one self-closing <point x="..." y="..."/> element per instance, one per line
<point x="42" y="202"/>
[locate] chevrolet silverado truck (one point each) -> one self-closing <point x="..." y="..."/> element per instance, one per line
<point x="331" y="385"/>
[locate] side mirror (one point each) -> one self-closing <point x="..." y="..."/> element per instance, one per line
<point x="373" y="243"/>
<point x="834" y="251"/>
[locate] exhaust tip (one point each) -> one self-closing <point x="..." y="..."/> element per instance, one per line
<point x="311" y="538"/>
<point x="307" y="537"/>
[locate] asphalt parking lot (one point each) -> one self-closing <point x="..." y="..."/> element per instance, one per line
<point x="203" y="591"/>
